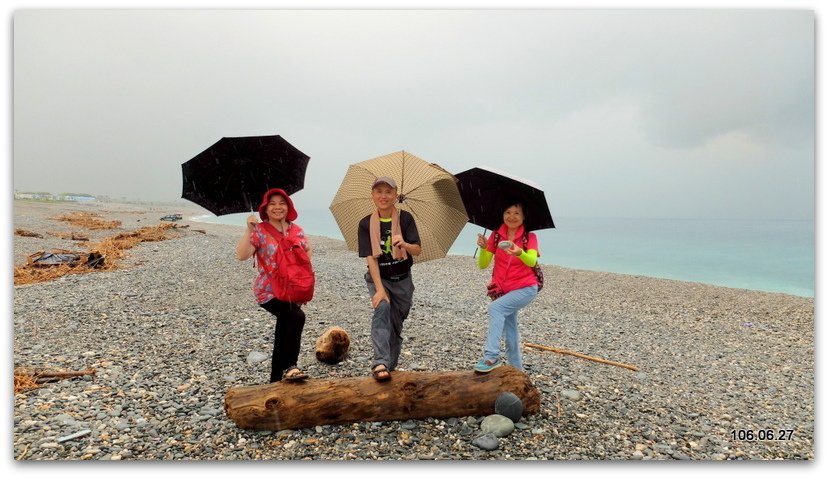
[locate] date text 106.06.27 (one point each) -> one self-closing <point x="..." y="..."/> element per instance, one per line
<point x="762" y="434"/>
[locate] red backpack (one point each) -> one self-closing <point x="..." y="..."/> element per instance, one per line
<point x="294" y="280"/>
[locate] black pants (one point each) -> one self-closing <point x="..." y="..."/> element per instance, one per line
<point x="290" y="320"/>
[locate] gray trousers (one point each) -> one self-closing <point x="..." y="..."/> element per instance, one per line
<point x="387" y="321"/>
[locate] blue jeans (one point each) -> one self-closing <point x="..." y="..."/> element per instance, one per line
<point x="503" y="322"/>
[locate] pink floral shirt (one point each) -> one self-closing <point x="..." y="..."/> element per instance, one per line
<point x="265" y="255"/>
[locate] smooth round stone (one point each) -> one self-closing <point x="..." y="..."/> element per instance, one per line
<point x="572" y="395"/>
<point x="498" y="425"/>
<point x="509" y="405"/>
<point x="256" y="357"/>
<point x="486" y="441"/>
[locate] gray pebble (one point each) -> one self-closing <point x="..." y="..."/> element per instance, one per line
<point x="572" y="395"/>
<point x="256" y="357"/>
<point x="498" y="425"/>
<point x="486" y="441"/>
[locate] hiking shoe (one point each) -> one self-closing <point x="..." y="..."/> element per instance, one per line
<point x="485" y="366"/>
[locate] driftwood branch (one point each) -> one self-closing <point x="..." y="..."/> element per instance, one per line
<point x="41" y="377"/>
<point x="26" y="379"/>
<point x="79" y="373"/>
<point x="580" y="355"/>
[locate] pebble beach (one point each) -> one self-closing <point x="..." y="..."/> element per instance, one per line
<point x="722" y="373"/>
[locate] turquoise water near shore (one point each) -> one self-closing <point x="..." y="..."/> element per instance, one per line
<point x="766" y="255"/>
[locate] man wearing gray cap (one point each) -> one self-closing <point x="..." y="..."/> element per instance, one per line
<point x="388" y="238"/>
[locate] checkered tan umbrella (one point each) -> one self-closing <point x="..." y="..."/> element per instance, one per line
<point x="426" y="190"/>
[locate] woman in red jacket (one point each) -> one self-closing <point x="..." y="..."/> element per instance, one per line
<point x="515" y="253"/>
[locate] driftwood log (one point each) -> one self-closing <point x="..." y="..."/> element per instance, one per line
<point x="283" y="405"/>
<point x="332" y="346"/>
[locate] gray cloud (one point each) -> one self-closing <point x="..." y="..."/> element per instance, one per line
<point x="639" y="113"/>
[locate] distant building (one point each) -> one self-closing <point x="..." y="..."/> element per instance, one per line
<point x="78" y="197"/>
<point x="31" y="195"/>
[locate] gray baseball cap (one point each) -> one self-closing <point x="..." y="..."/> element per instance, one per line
<point x="384" y="180"/>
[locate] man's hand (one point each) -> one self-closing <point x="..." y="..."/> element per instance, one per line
<point x="378" y="297"/>
<point x="397" y="240"/>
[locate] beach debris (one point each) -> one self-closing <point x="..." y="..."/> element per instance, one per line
<point x="44" y="377"/>
<point x="27" y="233"/>
<point x="95" y="260"/>
<point x="72" y="235"/>
<point x="26" y="379"/>
<point x="580" y="355"/>
<point x="171" y="217"/>
<point x="63" y="257"/>
<point x="88" y="220"/>
<point x="72" y="436"/>
<point x="116" y="246"/>
<point x="332" y="346"/>
<point x="55" y="258"/>
<point x="102" y="256"/>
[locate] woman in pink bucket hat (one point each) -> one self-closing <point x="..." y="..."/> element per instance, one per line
<point x="262" y="239"/>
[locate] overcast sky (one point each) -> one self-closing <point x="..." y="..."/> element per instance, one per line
<point x="632" y="113"/>
<point x="625" y="113"/>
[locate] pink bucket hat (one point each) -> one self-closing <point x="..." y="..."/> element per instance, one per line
<point x="291" y="214"/>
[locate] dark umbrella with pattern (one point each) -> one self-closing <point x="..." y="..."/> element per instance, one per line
<point x="231" y="175"/>
<point x="485" y="191"/>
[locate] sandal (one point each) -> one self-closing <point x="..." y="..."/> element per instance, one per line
<point x="381" y="374"/>
<point x="293" y="374"/>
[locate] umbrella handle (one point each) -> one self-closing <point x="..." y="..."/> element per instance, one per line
<point x="476" y="248"/>
<point x="251" y="212"/>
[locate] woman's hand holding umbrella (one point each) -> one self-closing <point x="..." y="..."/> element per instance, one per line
<point x="251" y="222"/>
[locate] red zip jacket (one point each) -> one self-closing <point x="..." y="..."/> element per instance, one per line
<point x="510" y="273"/>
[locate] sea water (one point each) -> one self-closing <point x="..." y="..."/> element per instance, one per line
<point x="766" y="255"/>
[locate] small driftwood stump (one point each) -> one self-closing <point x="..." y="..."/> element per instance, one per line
<point x="283" y="405"/>
<point x="332" y="346"/>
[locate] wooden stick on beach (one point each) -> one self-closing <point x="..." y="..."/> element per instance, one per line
<point x="580" y="355"/>
<point x="41" y="377"/>
<point x="70" y="374"/>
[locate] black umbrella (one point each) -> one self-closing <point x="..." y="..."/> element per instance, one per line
<point x="485" y="192"/>
<point x="231" y="175"/>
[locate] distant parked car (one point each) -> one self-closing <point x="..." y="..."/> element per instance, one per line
<point x="172" y="217"/>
